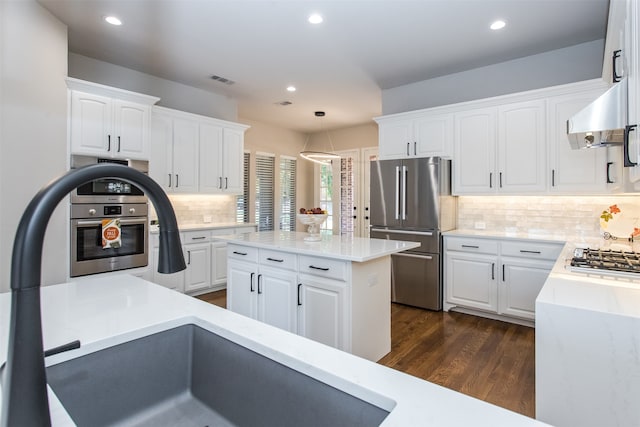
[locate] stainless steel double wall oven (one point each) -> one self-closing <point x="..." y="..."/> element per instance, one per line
<point x="108" y="198"/>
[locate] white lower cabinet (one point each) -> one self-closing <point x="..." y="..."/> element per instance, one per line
<point x="198" y="273"/>
<point x="342" y="304"/>
<point x="173" y="281"/>
<point x="321" y="315"/>
<point x="498" y="276"/>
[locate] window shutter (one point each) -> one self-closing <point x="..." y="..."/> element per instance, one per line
<point x="265" y="166"/>
<point x="287" y="194"/>
<point x="242" y="201"/>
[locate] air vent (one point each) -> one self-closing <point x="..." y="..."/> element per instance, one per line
<point x="284" y="103"/>
<point x="222" y="80"/>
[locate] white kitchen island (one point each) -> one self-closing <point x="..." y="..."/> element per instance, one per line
<point x="587" y="348"/>
<point x="106" y="311"/>
<point x="336" y="291"/>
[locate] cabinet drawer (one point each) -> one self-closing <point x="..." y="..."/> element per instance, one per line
<point x="241" y="230"/>
<point x="196" y="236"/>
<point x="531" y="250"/>
<point x="461" y="244"/>
<point x="324" y="267"/>
<point x="244" y="253"/>
<point x="221" y="232"/>
<point x="278" y="259"/>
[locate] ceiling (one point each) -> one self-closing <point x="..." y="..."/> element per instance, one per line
<point x="339" y="66"/>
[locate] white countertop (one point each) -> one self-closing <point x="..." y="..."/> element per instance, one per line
<point x="103" y="312"/>
<point x="206" y="226"/>
<point x="357" y="249"/>
<point x="503" y="234"/>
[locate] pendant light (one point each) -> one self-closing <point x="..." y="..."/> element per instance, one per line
<point x="321" y="157"/>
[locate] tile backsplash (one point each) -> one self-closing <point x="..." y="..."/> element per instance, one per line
<point x="570" y="216"/>
<point x="201" y="208"/>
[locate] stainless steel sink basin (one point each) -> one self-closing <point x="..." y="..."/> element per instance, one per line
<point x="188" y="376"/>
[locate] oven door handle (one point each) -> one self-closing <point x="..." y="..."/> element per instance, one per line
<point x="93" y="223"/>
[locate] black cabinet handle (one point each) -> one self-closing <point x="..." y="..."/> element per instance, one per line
<point x="627" y="130"/>
<point x="177" y="177"/>
<point x="490" y="179"/>
<point x="275" y="260"/>
<point x="471" y="246"/>
<point x="524" y="251"/>
<point x="415" y="148"/>
<point x="189" y="256"/>
<point x="500" y="179"/>
<point x="169" y="180"/>
<point x="503" y="272"/>
<point x="493" y="271"/>
<point x="259" y="283"/>
<point x="609" y="181"/>
<point x="553" y="177"/>
<point x="319" y="268"/>
<point x="408" y="148"/>
<point x="251" y="282"/>
<point x="199" y="238"/>
<point x="220" y="182"/>
<point x="108" y="142"/>
<point x="616" y="55"/>
<point x="240" y="253"/>
<point x="118" y="144"/>
<point x="299" y="300"/>
<point x="226" y="183"/>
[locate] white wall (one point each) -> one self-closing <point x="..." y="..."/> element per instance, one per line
<point x="33" y="127"/>
<point x="571" y="64"/>
<point x="353" y="137"/>
<point x="172" y="95"/>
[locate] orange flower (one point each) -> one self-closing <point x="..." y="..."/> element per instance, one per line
<point x="636" y="232"/>
<point x="614" y="209"/>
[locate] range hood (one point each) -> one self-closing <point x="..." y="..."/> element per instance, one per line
<point x="602" y="122"/>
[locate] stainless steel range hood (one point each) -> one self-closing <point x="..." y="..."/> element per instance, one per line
<point x="602" y="122"/>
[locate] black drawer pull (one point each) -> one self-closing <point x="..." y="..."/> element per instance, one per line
<point x="319" y="268"/>
<point x="239" y="253"/>
<point x="299" y="286"/>
<point x="199" y="238"/>
<point x="530" y="252"/>
<point x="275" y="259"/>
<point x="471" y="246"/>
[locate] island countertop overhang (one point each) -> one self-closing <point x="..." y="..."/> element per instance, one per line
<point x="356" y="249"/>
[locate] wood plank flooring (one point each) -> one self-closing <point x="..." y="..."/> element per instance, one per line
<point x="487" y="359"/>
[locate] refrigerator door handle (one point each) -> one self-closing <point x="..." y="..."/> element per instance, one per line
<point x="397" y="192"/>
<point x="405" y="172"/>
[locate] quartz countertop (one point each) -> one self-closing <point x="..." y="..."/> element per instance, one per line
<point x="346" y="248"/>
<point x="540" y="235"/>
<point x="102" y="312"/>
<point x="207" y="226"/>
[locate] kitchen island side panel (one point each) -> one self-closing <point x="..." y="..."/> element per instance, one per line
<point x="587" y="367"/>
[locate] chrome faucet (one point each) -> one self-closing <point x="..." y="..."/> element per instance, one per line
<point x="24" y="392"/>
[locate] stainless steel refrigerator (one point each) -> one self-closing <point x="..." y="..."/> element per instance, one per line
<point x="411" y="200"/>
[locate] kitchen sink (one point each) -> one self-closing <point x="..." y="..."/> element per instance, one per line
<point x="189" y="376"/>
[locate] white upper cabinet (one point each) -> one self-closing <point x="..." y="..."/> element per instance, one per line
<point x="109" y="122"/>
<point x="415" y="135"/>
<point x="500" y="149"/>
<point x="196" y="154"/>
<point x="576" y="171"/>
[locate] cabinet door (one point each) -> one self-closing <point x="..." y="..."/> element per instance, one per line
<point x="522" y="146"/>
<point x="211" y="159"/>
<point x="161" y="151"/>
<point x="233" y="161"/>
<point x="322" y="311"/>
<point x="475" y="152"/>
<point x="173" y="281"/>
<point x="219" y="263"/>
<point x="185" y="156"/>
<point x="395" y="139"/>
<point x="91" y="120"/>
<point x="131" y="130"/>
<point x="633" y="40"/>
<point x="573" y="170"/>
<point x="433" y="136"/>
<point x="277" y="298"/>
<point x="198" y="272"/>
<point x="470" y="280"/>
<point x="241" y="288"/>
<point x="519" y="286"/>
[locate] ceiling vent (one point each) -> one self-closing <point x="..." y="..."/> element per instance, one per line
<point x="222" y="80"/>
<point x="284" y="103"/>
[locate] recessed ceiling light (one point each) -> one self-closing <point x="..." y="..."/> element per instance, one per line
<point x="113" y="20"/>
<point x="291" y="88"/>
<point x="497" y="25"/>
<point x="315" y="18"/>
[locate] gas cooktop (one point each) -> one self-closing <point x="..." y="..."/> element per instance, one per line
<point x="604" y="261"/>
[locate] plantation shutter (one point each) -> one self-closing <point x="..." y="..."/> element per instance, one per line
<point x="265" y="167"/>
<point x="287" y="194"/>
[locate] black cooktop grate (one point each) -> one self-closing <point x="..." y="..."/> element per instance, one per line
<point x="606" y="259"/>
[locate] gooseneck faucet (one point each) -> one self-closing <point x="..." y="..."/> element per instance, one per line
<point x="24" y="392"/>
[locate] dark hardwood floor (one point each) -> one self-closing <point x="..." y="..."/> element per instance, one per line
<point x="487" y="359"/>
